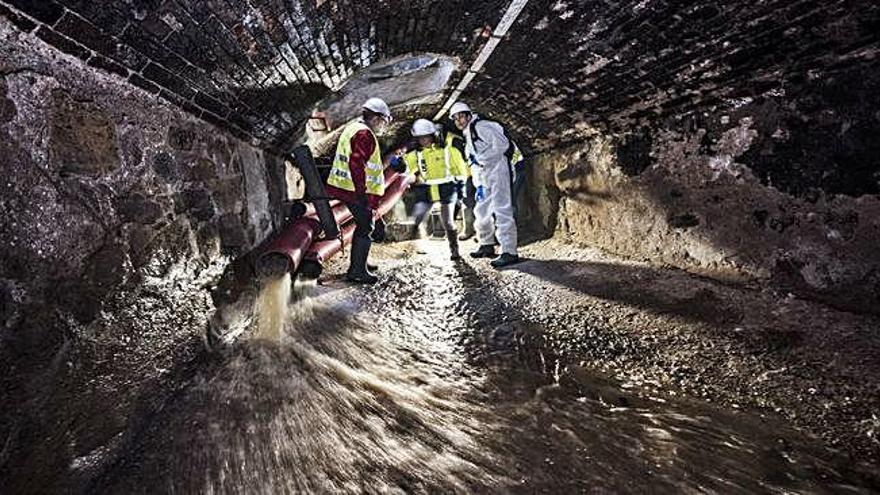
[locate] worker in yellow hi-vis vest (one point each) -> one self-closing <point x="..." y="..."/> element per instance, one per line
<point x="439" y="169"/>
<point x="358" y="180"/>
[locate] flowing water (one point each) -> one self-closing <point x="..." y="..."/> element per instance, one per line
<point x="272" y="307"/>
<point x="424" y="385"/>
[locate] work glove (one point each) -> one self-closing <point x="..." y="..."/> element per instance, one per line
<point x="397" y="164"/>
<point x="481" y="193"/>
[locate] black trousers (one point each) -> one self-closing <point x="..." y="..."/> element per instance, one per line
<point x="360" y="244"/>
<point x="363" y="219"/>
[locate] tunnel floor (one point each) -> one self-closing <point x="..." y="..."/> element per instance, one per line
<point x="454" y="377"/>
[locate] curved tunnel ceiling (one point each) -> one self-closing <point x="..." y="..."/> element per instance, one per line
<point x="565" y="69"/>
<point x="252" y="66"/>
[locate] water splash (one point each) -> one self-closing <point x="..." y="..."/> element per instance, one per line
<point x="330" y="407"/>
<point x="347" y="394"/>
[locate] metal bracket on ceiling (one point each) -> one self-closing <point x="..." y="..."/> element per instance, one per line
<point x="504" y="25"/>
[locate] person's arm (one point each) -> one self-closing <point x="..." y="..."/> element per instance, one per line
<point x="362" y="147"/>
<point x="412" y="163"/>
<point x="457" y="165"/>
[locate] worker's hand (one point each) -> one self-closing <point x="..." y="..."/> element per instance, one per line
<point x="397" y="164"/>
<point x="481" y="193"/>
<point x="472" y="159"/>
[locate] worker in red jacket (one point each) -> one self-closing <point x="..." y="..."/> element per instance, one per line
<point x="357" y="178"/>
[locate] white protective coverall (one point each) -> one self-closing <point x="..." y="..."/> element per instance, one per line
<point x="494" y="172"/>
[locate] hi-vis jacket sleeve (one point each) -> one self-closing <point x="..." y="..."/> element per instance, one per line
<point x="412" y="162"/>
<point x="458" y="167"/>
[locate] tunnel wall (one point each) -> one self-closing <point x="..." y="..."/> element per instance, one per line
<point x="119" y="213"/>
<point x="736" y="140"/>
<point x="682" y="199"/>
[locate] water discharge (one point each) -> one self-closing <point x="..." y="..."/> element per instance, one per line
<point x="408" y="389"/>
<point x="272" y="307"/>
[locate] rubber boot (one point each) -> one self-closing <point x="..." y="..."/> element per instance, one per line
<point x="357" y="271"/>
<point x="467" y="214"/>
<point x="452" y="237"/>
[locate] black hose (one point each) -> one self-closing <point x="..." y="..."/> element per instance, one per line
<point x="315" y="190"/>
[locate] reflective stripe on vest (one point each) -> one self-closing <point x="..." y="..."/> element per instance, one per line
<point x="340" y="174"/>
<point x="423" y="167"/>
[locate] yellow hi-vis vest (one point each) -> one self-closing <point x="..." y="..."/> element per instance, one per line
<point x="517" y="154"/>
<point x="460" y="168"/>
<point x="436" y="166"/>
<point x="340" y="174"/>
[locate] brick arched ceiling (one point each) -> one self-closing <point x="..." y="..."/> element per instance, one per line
<point x="252" y="66"/>
<point x="566" y="67"/>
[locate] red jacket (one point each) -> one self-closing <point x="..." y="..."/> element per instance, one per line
<point x="362" y="146"/>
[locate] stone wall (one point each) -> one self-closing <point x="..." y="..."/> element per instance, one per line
<point x="735" y="139"/>
<point x="696" y="206"/>
<point x="119" y="214"/>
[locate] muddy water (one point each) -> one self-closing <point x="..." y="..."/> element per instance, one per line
<point x="429" y="383"/>
<point x="272" y="308"/>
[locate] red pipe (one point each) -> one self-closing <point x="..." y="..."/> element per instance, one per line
<point x="310" y="207"/>
<point x="292" y="242"/>
<point x="321" y="251"/>
<point x="397" y="185"/>
<point x="390" y="176"/>
<point x="340" y="212"/>
<point x="298" y="240"/>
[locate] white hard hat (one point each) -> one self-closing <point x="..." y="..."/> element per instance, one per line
<point x="458" y="107"/>
<point x="378" y="105"/>
<point x="423" y="127"/>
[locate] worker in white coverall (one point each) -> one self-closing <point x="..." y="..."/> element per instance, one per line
<point x="489" y="152"/>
